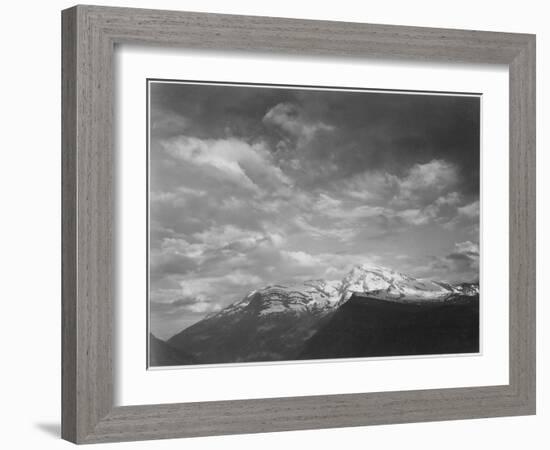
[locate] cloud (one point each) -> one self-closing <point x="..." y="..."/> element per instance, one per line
<point x="470" y="210"/>
<point x="230" y="236"/>
<point x="179" y="197"/>
<point x="419" y="186"/>
<point x="466" y="219"/>
<point x="467" y="250"/>
<point x="168" y="260"/>
<point x="290" y="118"/>
<point x="181" y="303"/>
<point x="168" y="123"/>
<point x="170" y="317"/>
<point x="464" y="259"/>
<point x="424" y="195"/>
<point x="461" y="264"/>
<point x="441" y="211"/>
<point x="335" y="231"/>
<point x="247" y="165"/>
<point x="203" y="288"/>
<point x="301" y="258"/>
<point x="425" y="183"/>
<point x="201" y="294"/>
<point x="345" y="210"/>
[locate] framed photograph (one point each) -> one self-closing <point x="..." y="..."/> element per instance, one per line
<point x="278" y="224"/>
<point x="279" y="214"/>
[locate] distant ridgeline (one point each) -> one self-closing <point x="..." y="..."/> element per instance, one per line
<point x="372" y="311"/>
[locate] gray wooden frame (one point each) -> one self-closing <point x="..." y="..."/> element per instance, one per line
<point x="89" y="36"/>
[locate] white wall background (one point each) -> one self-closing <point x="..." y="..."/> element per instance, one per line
<point x="30" y="225"/>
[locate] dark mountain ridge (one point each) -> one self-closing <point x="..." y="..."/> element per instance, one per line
<point x="369" y="327"/>
<point x="163" y="354"/>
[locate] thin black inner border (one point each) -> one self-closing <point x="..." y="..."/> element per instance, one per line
<point x="149" y="81"/>
<point x="309" y="87"/>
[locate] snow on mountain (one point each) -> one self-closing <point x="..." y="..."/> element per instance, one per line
<point x="322" y="296"/>
<point x="387" y="284"/>
<point x="312" y="296"/>
<point x="467" y="288"/>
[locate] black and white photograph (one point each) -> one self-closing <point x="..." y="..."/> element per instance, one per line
<point x="299" y="223"/>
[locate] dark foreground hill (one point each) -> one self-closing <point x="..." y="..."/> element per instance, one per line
<point x="163" y="354"/>
<point x="367" y="327"/>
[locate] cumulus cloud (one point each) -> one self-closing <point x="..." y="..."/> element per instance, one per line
<point x="289" y="118"/>
<point x="463" y="260"/>
<point x="170" y="260"/>
<point x="163" y="122"/>
<point x="424" y="183"/>
<point x="301" y="258"/>
<point x="169" y="317"/>
<point x="470" y="210"/>
<point x="421" y="184"/>
<point x="203" y="288"/>
<point x="238" y="161"/>
<point x="337" y="231"/>
<point x="424" y="195"/>
<point x="183" y="304"/>
<point x="461" y="264"/>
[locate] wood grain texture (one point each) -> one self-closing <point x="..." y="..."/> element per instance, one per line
<point x="523" y="224"/>
<point x="89" y="36"/>
<point x="68" y="226"/>
<point x="87" y="241"/>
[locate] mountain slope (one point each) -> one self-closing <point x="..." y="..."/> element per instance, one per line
<point x="163" y="354"/>
<point x="267" y="325"/>
<point x="365" y="326"/>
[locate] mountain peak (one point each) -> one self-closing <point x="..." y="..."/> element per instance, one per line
<point x="319" y="296"/>
<point x="387" y="284"/>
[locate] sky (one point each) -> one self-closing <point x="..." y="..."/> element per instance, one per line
<point x="255" y="185"/>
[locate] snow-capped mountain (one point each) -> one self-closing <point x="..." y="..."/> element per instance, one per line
<point x="387" y="284"/>
<point x="312" y="296"/>
<point x="274" y="322"/>
<point x="269" y="324"/>
<point x="318" y="296"/>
